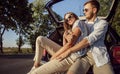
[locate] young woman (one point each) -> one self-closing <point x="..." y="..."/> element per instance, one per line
<point x="72" y="35"/>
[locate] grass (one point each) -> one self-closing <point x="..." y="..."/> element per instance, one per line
<point x="14" y="50"/>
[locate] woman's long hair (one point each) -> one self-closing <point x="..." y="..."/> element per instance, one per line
<point x="65" y="24"/>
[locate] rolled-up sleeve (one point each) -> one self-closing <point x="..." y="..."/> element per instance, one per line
<point x="99" y="30"/>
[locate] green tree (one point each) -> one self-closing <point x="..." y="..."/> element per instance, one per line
<point x="42" y="22"/>
<point x="14" y="14"/>
<point x="116" y="20"/>
<point x="105" y="6"/>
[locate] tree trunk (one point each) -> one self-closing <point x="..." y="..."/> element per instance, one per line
<point x="19" y="46"/>
<point x="19" y="49"/>
<point x="33" y="47"/>
<point x="1" y="43"/>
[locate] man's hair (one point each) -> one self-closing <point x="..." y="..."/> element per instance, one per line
<point x="94" y="3"/>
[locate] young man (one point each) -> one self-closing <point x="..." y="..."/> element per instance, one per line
<point x="97" y="55"/>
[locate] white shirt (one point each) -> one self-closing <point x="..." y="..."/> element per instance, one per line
<point x="96" y="40"/>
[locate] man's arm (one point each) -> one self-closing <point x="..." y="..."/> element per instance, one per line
<point x="82" y="44"/>
<point x="70" y="43"/>
<point x="98" y="32"/>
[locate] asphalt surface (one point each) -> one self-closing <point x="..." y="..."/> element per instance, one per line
<point x="21" y="64"/>
<point x="16" y="64"/>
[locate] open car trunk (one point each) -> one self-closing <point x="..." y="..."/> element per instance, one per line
<point x="112" y="38"/>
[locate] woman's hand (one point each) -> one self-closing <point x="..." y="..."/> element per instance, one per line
<point x="70" y="38"/>
<point x="63" y="55"/>
<point x="68" y="35"/>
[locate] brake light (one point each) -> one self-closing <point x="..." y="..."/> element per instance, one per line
<point x="116" y="54"/>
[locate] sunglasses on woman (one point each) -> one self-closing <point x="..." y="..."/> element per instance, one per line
<point x="69" y="17"/>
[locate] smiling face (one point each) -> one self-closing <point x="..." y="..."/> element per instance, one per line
<point x="70" y="19"/>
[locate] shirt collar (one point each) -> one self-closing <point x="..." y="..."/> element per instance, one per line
<point x="96" y="19"/>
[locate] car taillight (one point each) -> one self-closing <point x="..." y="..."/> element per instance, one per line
<point x="116" y="54"/>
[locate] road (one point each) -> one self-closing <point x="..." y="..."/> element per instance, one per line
<point x="15" y="64"/>
<point x="21" y="64"/>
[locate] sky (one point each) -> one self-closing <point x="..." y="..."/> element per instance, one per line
<point x="75" y="7"/>
<point x="9" y="37"/>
